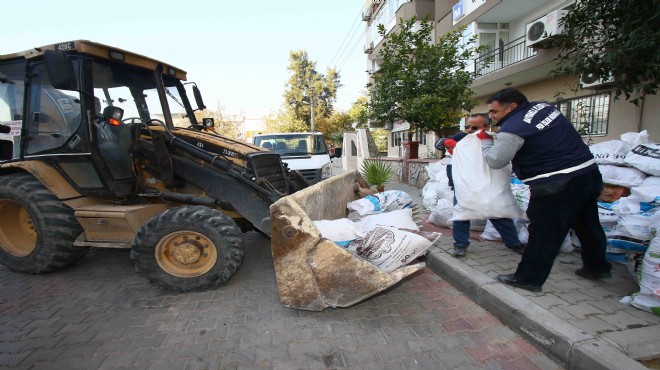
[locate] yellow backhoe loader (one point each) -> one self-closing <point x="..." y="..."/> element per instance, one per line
<point x="100" y="147"/>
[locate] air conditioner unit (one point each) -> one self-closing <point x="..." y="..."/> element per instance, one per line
<point x="538" y="32"/>
<point x="593" y="81"/>
<point x="366" y="15"/>
<point x="369" y="48"/>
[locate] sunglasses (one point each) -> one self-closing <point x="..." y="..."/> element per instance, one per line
<point x="473" y="128"/>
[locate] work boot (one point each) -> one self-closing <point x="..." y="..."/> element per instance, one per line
<point x="460" y="252"/>
<point x="593" y="274"/>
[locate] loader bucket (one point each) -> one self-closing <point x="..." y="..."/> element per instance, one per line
<point x="313" y="273"/>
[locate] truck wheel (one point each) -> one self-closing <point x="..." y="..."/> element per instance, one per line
<point x="37" y="230"/>
<point x="188" y="248"/>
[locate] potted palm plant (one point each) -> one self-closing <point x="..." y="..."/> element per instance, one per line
<point x="376" y="173"/>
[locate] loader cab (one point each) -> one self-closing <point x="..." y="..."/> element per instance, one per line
<point x="58" y="105"/>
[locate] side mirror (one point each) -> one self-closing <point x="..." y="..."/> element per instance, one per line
<point x="60" y="70"/>
<point x="198" y="98"/>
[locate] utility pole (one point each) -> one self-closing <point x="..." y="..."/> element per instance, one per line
<point x="312" y="102"/>
<point x="312" y="107"/>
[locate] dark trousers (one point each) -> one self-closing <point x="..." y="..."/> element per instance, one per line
<point x="552" y="216"/>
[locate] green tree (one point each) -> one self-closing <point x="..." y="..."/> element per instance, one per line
<point x="613" y="38"/>
<point x="284" y="121"/>
<point x="338" y="122"/>
<point x="380" y="138"/>
<point x="223" y="126"/>
<point x="359" y="112"/>
<point x="423" y="83"/>
<point x="306" y="86"/>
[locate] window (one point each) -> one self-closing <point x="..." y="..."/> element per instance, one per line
<point x="397" y="138"/>
<point x="420" y="136"/>
<point x="54" y="114"/>
<point x="589" y="114"/>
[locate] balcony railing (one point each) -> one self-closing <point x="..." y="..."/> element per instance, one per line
<point x="504" y="56"/>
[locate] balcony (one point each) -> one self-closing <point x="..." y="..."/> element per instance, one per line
<point x="514" y="52"/>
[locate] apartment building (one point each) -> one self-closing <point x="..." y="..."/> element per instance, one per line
<point x="517" y="55"/>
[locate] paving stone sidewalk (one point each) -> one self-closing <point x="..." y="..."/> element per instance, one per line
<point x="570" y="318"/>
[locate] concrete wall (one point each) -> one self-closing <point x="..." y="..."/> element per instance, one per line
<point x="623" y="116"/>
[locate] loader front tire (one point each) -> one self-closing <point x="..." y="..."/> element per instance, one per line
<point x="37" y="230"/>
<point x="188" y="248"/>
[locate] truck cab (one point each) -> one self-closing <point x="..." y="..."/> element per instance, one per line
<point x="305" y="152"/>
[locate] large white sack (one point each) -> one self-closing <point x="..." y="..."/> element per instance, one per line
<point x="635" y="138"/>
<point x="401" y="218"/>
<point x="648" y="297"/>
<point x="442" y="213"/>
<point x="632" y="233"/>
<point x="388" y="248"/>
<point x="437" y="171"/>
<point x="430" y="194"/>
<point x="434" y="190"/>
<point x="641" y="199"/>
<point x="491" y="233"/>
<point x="481" y="192"/>
<point x="646" y="158"/>
<point x="608" y="217"/>
<point x="341" y="231"/>
<point x="622" y="176"/>
<point x="380" y="202"/>
<point x="610" y="152"/>
<point x="651" y="181"/>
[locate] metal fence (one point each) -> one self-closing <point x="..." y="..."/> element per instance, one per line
<point x="503" y="56"/>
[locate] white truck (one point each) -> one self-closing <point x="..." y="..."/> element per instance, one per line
<point x="302" y="151"/>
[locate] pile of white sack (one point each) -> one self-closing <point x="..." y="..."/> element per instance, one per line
<point x="629" y="211"/>
<point x="380" y="228"/>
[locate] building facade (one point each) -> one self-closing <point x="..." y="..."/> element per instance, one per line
<point x="516" y="54"/>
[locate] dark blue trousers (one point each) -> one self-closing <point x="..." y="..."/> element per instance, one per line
<point x="552" y="216"/>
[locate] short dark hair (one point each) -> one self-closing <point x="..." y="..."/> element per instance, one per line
<point x="508" y="96"/>
<point x="485" y="117"/>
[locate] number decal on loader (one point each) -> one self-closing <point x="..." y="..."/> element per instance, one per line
<point x="65" y="46"/>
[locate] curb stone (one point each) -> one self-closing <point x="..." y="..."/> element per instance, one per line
<point x="557" y="338"/>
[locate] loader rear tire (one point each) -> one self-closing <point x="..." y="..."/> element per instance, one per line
<point x="37" y="230"/>
<point x="188" y="248"/>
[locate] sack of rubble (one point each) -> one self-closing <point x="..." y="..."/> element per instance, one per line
<point x="491" y="233"/>
<point x="344" y="230"/>
<point x="646" y="158"/>
<point x="522" y="194"/>
<point x="610" y="152"/>
<point x="635" y="138"/>
<point x="651" y="181"/>
<point x="632" y="232"/>
<point x="622" y="176"/>
<point x="380" y="202"/>
<point x="648" y="276"/>
<point x="389" y="248"/>
<point x="437" y="187"/>
<point x="401" y="218"/>
<point x="442" y="213"/>
<point x="481" y="192"/>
